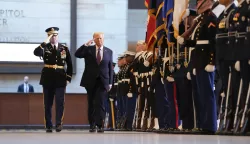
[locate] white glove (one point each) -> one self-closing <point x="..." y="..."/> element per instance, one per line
<point x="210" y="68"/>
<point x="178" y="66"/>
<point x="48" y="38"/>
<point x="130" y="95"/>
<point x="187" y="13"/>
<point x="180" y="40"/>
<point x="165" y="59"/>
<point x="249" y="62"/>
<point x="188" y="76"/>
<point x="170" y="79"/>
<point x="146" y="63"/>
<point x="194" y="71"/>
<point x="110" y="86"/>
<point x="237" y="66"/>
<point x="222" y="94"/>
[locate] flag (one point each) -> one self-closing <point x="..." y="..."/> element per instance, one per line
<point x="168" y="9"/>
<point x="150" y="37"/>
<point x="180" y="7"/>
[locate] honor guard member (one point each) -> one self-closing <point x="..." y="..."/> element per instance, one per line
<point x="204" y="64"/>
<point x="140" y="46"/>
<point x="240" y="25"/>
<point x="111" y="102"/>
<point x="54" y="77"/>
<point x="130" y="88"/>
<point x="223" y="61"/>
<point x="119" y="99"/>
<point x="144" y="80"/>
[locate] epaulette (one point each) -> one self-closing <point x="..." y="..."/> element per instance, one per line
<point x="64" y="46"/>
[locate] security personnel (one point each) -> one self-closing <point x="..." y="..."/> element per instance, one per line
<point x="204" y="64"/>
<point x="54" y="77"/>
<point x="225" y="62"/>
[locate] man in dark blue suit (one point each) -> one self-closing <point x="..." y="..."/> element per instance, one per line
<point x="97" y="78"/>
<point x="25" y="87"/>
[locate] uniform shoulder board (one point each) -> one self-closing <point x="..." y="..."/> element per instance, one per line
<point x="64" y="45"/>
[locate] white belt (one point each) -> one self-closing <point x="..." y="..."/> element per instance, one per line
<point x="222" y="35"/>
<point x="201" y="42"/>
<point x="248" y="29"/>
<point x="127" y="80"/>
<point x="241" y="35"/>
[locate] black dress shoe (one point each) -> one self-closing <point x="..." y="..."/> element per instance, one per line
<point x="58" y="128"/>
<point x="49" y="130"/>
<point x="92" y="129"/>
<point x="100" y="130"/>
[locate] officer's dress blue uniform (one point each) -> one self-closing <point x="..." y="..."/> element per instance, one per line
<point x="54" y="79"/>
<point x="204" y="44"/>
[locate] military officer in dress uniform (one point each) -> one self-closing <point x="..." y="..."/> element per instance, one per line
<point x="204" y="64"/>
<point x="130" y="90"/>
<point x="239" y="27"/>
<point x="224" y="62"/>
<point x="54" y="77"/>
<point x="140" y="46"/>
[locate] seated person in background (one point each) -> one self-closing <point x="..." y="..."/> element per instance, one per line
<point x="25" y="87"/>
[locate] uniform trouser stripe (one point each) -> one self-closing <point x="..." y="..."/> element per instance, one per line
<point x="176" y="106"/>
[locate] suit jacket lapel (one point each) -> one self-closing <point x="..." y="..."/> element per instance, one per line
<point x="104" y="54"/>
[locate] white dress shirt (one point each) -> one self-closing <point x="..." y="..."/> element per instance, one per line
<point x="101" y="51"/>
<point x="26" y="88"/>
<point x="55" y="45"/>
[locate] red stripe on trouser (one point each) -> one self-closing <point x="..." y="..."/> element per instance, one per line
<point x="176" y="106"/>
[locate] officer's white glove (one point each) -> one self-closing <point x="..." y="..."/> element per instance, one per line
<point x="146" y="63"/>
<point x="48" y="38"/>
<point x="178" y="66"/>
<point x="165" y="59"/>
<point x="249" y="62"/>
<point x="222" y="94"/>
<point x="188" y="76"/>
<point x="130" y="95"/>
<point x="194" y="71"/>
<point x="180" y="40"/>
<point x="237" y="66"/>
<point x="110" y="86"/>
<point x="210" y="68"/>
<point x="187" y="13"/>
<point x="170" y="79"/>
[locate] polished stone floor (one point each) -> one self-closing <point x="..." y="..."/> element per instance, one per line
<point x="84" y="137"/>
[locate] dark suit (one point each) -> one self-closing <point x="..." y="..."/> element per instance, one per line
<point x="54" y="78"/>
<point x="96" y="80"/>
<point x="21" y="88"/>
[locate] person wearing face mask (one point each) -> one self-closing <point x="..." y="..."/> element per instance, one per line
<point x="204" y="64"/>
<point x="54" y="77"/>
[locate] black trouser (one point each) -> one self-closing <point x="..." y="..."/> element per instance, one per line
<point x="235" y="82"/>
<point x="48" y="98"/>
<point x="96" y="104"/>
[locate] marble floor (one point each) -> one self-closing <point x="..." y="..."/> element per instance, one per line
<point x="84" y="137"/>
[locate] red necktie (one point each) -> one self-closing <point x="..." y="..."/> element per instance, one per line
<point x="98" y="57"/>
